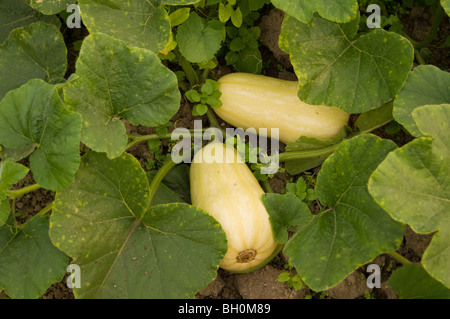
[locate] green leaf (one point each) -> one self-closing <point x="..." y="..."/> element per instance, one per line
<point x="50" y="6"/>
<point x="285" y="211"/>
<point x="413" y="186"/>
<point x="29" y="263"/>
<point x="354" y="230"/>
<point x="336" y="68"/>
<point x="413" y="282"/>
<point x="426" y="85"/>
<point x="373" y="119"/>
<point x="116" y="81"/>
<point x="179" y="16"/>
<point x="446" y="5"/>
<point x="198" y="39"/>
<point x="125" y="251"/>
<point x="179" y="2"/>
<point x="141" y="23"/>
<point x="34" y="115"/>
<point x="22" y="58"/>
<point x="225" y="12"/>
<point x="338" y="11"/>
<point x="10" y="173"/>
<point x="18" y="13"/>
<point x="236" y="17"/>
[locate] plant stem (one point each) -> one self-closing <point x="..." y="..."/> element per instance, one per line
<point x="187" y="68"/>
<point x="434" y="29"/>
<point x="45" y="210"/>
<point x="400" y="258"/>
<point x="283" y="157"/>
<point x="213" y="121"/>
<point x="22" y="191"/>
<point x="266" y="186"/>
<point x="419" y="57"/>
<point x="159" y="177"/>
<point x="136" y="139"/>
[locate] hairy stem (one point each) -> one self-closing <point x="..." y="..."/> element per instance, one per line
<point x="400" y="258"/>
<point x="187" y="68"/>
<point x="159" y="177"/>
<point x="20" y="192"/>
<point x="283" y="157"/>
<point x="136" y="139"/>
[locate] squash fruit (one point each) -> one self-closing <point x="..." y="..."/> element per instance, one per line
<point x="258" y="101"/>
<point x="224" y="186"/>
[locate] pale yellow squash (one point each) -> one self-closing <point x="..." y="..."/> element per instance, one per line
<point x="258" y="101"/>
<point x="223" y="185"/>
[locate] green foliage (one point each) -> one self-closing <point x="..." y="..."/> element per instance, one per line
<point x="207" y="95"/>
<point x="130" y="70"/>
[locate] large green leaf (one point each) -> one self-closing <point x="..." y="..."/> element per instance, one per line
<point x="303" y="10"/>
<point x="426" y="85"/>
<point x="337" y="68"/>
<point x="413" y="186"/>
<point x="116" y="81"/>
<point x="18" y="13"/>
<point x="22" y="58"/>
<point x="10" y="173"/>
<point x="29" y="263"/>
<point x="199" y="39"/>
<point x="354" y="230"/>
<point x="125" y="250"/>
<point x="34" y="115"/>
<point x="50" y="6"/>
<point x="413" y="282"/>
<point x="140" y="23"/>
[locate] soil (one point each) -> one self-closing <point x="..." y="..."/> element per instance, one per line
<point x="263" y="283"/>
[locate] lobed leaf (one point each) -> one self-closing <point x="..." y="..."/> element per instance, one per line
<point x="117" y="81"/>
<point x="29" y="263"/>
<point x="412" y="184"/>
<point x="338" y="11"/>
<point x="337" y="68"/>
<point x="125" y="250"/>
<point x="35" y="116"/>
<point x="413" y="282"/>
<point x="50" y="6"/>
<point x="354" y="230"/>
<point x="426" y="85"/>
<point x="22" y="58"/>
<point x="18" y="13"/>
<point x="198" y="39"/>
<point x="141" y="23"/>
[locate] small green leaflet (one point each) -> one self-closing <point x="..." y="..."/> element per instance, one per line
<point x="413" y="185"/>
<point x="303" y="10"/>
<point x="413" y="282"/>
<point x="354" y="230"/>
<point x="18" y="13"/>
<point x="141" y="23"/>
<point x="50" y="6"/>
<point x="125" y="249"/>
<point x="426" y="85"/>
<point x="336" y="68"/>
<point x="10" y="173"/>
<point x="34" y="115"/>
<point x="198" y="39"/>
<point x="116" y="81"/>
<point x="21" y="57"/>
<point x="29" y="263"/>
